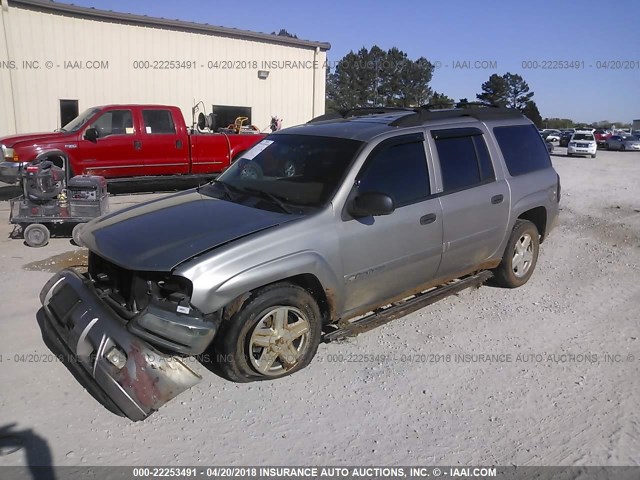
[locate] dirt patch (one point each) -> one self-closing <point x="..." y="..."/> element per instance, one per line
<point x="77" y="259"/>
<point x="611" y="226"/>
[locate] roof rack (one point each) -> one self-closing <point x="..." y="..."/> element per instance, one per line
<point x="359" y="112"/>
<point x="430" y="111"/>
<point x="477" y="110"/>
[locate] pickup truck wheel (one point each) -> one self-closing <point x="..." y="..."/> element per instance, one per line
<point x="276" y="333"/>
<point x="289" y="169"/>
<point x="520" y="256"/>
<point x="36" y="235"/>
<point x="251" y="170"/>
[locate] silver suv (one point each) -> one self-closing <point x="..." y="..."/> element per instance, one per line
<point x="318" y="232"/>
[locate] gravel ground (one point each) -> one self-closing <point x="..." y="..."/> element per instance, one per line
<point x="547" y="374"/>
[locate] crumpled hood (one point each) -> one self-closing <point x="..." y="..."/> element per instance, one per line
<point x="159" y="235"/>
<point x="11" y="141"/>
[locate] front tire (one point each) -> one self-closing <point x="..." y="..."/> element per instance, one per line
<point x="276" y="333"/>
<point x="520" y="256"/>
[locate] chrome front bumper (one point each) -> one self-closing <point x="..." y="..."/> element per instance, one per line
<point x="84" y="330"/>
<point x="9" y="171"/>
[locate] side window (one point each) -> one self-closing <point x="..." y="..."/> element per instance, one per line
<point x="158" y="122"/>
<point x="522" y="148"/>
<point x="464" y="158"/>
<point x="400" y="171"/>
<point x="114" y="122"/>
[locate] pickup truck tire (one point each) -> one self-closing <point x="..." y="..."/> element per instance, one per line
<point x="275" y="333"/>
<point x="251" y="170"/>
<point x="520" y="256"/>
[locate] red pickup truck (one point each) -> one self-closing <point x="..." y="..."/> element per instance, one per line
<point x="120" y="141"/>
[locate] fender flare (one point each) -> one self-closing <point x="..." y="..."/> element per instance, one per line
<point x="300" y="263"/>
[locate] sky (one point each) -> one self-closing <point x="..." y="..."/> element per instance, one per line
<point x="532" y="39"/>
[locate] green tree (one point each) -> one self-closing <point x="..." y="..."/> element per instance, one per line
<point x="463" y="102"/>
<point x="373" y="78"/>
<point x="558" y="123"/>
<point x="284" y="33"/>
<point x="495" y="91"/>
<point x="531" y="111"/>
<point x="518" y="93"/>
<point x="440" y="100"/>
<point x="508" y="90"/>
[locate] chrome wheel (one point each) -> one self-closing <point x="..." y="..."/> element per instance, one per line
<point x="249" y="172"/>
<point x="279" y="340"/>
<point x="522" y="256"/>
<point x="289" y="169"/>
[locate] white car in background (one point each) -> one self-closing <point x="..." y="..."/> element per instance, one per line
<point x="583" y="142"/>
<point x="551" y="135"/>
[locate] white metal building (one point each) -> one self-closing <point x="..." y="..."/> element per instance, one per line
<point x="58" y="59"/>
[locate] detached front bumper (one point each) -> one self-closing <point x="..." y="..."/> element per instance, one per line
<point x="104" y="356"/>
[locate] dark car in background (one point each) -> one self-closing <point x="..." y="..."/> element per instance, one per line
<point x="564" y="138"/>
<point x="623" y="142"/>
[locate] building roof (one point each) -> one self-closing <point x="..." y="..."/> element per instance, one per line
<point x="145" y="21"/>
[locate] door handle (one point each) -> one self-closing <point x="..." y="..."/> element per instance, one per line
<point x="178" y="144"/>
<point x="137" y="144"/>
<point x="496" y="199"/>
<point x="427" y="219"/>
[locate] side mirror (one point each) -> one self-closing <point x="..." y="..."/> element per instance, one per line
<point x="91" y="134"/>
<point x="371" y="204"/>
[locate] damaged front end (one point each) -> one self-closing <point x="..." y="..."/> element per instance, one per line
<point x="120" y="332"/>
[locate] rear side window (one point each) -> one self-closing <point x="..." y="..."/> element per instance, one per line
<point x="158" y="121"/>
<point x="400" y="171"/>
<point x="522" y="148"/>
<point x="464" y="158"/>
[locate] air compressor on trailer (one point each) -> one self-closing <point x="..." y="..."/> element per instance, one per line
<point x="51" y="201"/>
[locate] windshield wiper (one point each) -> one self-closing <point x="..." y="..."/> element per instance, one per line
<point x="274" y="198"/>
<point x="227" y="188"/>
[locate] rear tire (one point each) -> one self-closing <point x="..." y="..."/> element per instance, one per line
<point x="276" y="333"/>
<point x="36" y="235"/>
<point x="251" y="171"/>
<point x="520" y="256"/>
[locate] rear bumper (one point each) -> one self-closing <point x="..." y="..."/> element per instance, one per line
<point x="78" y="323"/>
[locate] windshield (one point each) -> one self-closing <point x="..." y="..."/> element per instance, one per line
<point x="76" y="124"/>
<point x="288" y="170"/>
<point x="583" y="136"/>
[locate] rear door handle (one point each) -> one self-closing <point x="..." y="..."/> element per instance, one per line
<point x="427" y="219"/>
<point x="137" y="144"/>
<point x="496" y="199"/>
<point x="178" y="144"/>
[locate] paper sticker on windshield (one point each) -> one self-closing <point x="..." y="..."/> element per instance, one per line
<point x="257" y="148"/>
